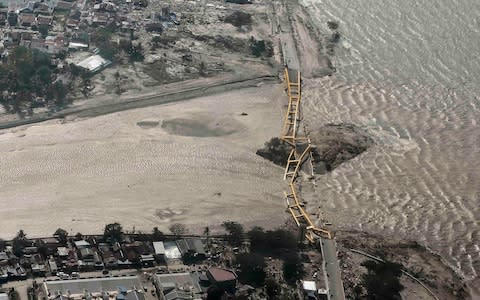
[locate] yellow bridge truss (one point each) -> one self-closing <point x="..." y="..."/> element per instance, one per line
<point x="301" y="151"/>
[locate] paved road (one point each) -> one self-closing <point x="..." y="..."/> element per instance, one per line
<point x="289" y="49"/>
<point x="109" y="104"/>
<point x="332" y="270"/>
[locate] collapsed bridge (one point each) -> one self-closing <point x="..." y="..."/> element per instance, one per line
<point x="298" y="138"/>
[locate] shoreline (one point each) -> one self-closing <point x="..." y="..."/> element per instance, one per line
<point x="112" y="105"/>
<point x="431" y="268"/>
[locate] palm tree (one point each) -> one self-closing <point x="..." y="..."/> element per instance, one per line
<point x="206" y="232"/>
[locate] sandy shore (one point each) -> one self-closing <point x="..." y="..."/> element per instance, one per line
<point x="133" y="168"/>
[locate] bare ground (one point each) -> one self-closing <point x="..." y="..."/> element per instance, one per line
<point x="84" y="173"/>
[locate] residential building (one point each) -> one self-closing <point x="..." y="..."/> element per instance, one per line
<point x="44" y="20"/>
<point x="192" y="247"/>
<point x="159" y="249"/>
<point x="51" y="244"/>
<point x="26" y="19"/>
<point x="94" y="63"/>
<point x="81" y="244"/>
<point x="223" y="278"/>
<point x="179" y="286"/>
<point x="64" y="6"/>
<point x="121" y="288"/>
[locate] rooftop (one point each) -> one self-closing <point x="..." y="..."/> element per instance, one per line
<point x="220" y="275"/>
<point x="94" y="63"/>
<point x="159" y="247"/>
<point x="92" y="285"/>
<point x="171" y="250"/>
<point x="64" y="5"/>
<point x="179" y="282"/>
<point x="309" y="285"/>
<point x="191" y="244"/>
<point x="81" y="243"/>
<point x="62" y="251"/>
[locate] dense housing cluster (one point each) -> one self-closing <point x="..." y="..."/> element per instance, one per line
<point x="237" y="265"/>
<point x="77" y="39"/>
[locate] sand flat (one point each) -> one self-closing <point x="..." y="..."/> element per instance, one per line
<point x="83" y="174"/>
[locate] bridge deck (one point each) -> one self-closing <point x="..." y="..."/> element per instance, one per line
<point x="300" y="153"/>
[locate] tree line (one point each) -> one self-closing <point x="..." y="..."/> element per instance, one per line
<point x="27" y="76"/>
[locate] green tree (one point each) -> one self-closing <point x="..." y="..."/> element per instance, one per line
<point x="215" y="293"/>
<point x="235" y="233"/>
<point x="135" y="53"/>
<point x="157" y="235"/>
<point x="21" y="235"/>
<point x="202" y="68"/>
<point x="102" y="39"/>
<point x="61" y="235"/>
<point x="257" y="47"/>
<point x="113" y="233"/>
<point x="272" y="242"/>
<point x="239" y="18"/>
<point x="43" y="29"/>
<point x="108" y="52"/>
<point x="206" y="233"/>
<point x="276" y="151"/>
<point x="40" y="59"/>
<point x="43" y="251"/>
<point x="59" y="93"/>
<point x="76" y="71"/>
<point x="382" y="280"/>
<point x="44" y="75"/>
<point x="292" y="268"/>
<point x="272" y="288"/>
<point x="13" y="294"/>
<point x="12" y="19"/>
<point x="26" y="75"/>
<point x="178" y="229"/>
<point x="252" y="269"/>
<point x="18" y="243"/>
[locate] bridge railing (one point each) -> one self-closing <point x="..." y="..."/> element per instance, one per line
<point x="301" y="152"/>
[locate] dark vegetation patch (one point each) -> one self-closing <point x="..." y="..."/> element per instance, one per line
<point x="252" y="268"/>
<point x="261" y="47"/>
<point x="224" y="42"/>
<point x="279" y="243"/>
<point x="250" y="46"/>
<point x="276" y="151"/>
<point x="382" y="280"/>
<point x="272" y="242"/>
<point x="163" y="41"/>
<point x="239" y="18"/>
<point x="27" y="81"/>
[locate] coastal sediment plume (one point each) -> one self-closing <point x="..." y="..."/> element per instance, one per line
<point x="419" y="181"/>
<point x="412" y="79"/>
